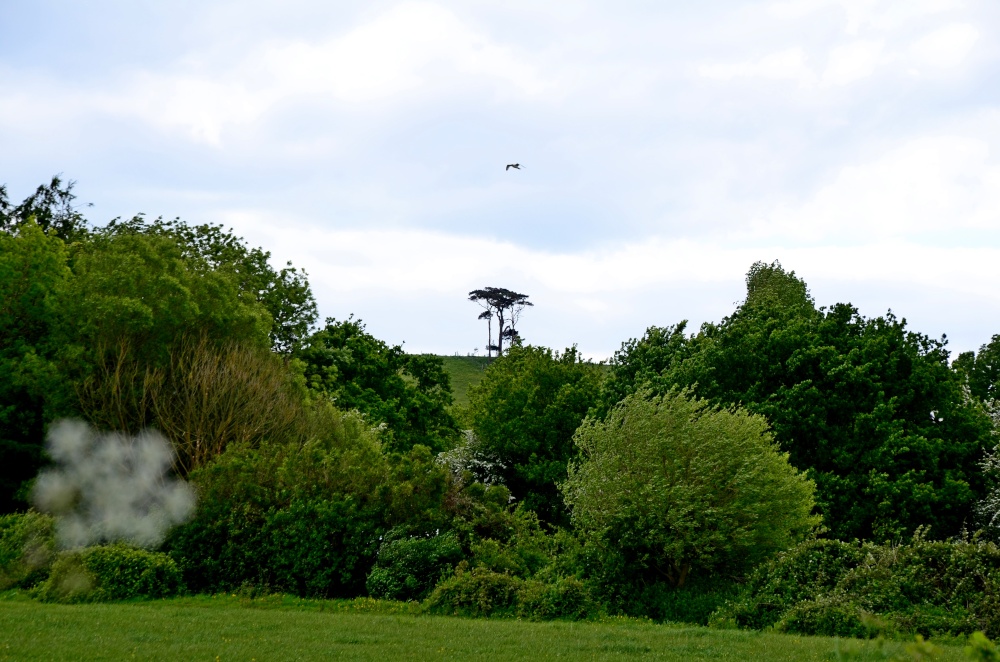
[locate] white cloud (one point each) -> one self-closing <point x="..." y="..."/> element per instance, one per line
<point x="409" y="47"/>
<point x="432" y="262"/>
<point x="929" y="185"/>
<point x="851" y="62"/>
<point x="396" y="52"/>
<point x="601" y="297"/>
<point x="945" y="47"/>
<point x="789" y="64"/>
<point x="866" y="15"/>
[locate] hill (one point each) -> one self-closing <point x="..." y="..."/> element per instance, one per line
<point x="464" y="372"/>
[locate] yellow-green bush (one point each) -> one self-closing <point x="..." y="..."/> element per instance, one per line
<point x="27" y="549"/>
<point x="113" y="572"/>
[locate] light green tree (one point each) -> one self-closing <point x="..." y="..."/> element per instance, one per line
<point x="668" y="485"/>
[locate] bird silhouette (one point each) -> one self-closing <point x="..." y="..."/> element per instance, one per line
<point x="515" y="166"/>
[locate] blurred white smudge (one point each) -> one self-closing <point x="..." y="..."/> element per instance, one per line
<point x="111" y="486"/>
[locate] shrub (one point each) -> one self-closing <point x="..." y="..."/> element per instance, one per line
<point x="833" y="615"/>
<point x="668" y="485"/>
<point x="693" y="603"/>
<point x="923" y="587"/>
<point x="482" y="592"/>
<point x="113" y="572"/>
<point x="312" y="547"/>
<point x="303" y="519"/>
<point x="800" y="574"/>
<point x="27" y="549"/>
<point x="563" y="598"/>
<point x="477" y="593"/>
<point x="408" y="568"/>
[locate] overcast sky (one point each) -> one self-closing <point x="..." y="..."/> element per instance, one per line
<point x="665" y="148"/>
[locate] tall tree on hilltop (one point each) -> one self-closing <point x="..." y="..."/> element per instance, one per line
<point x="506" y="305"/>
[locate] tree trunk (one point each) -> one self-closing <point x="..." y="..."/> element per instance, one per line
<point x="500" y="333"/>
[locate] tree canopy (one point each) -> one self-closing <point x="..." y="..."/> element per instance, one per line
<point x="409" y="393"/>
<point x="524" y="413"/>
<point x="50" y="206"/>
<point x="872" y="410"/>
<point x="100" y="323"/>
<point x="506" y="305"/>
<point x="33" y="276"/>
<point x="981" y="370"/>
<point x="284" y="293"/>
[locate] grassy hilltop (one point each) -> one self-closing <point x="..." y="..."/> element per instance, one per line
<point x="464" y="373"/>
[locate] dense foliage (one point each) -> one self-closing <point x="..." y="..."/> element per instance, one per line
<point x="408" y="568"/>
<point x="862" y="590"/>
<point x="328" y="463"/>
<point x="110" y="572"/>
<point x="302" y="519"/>
<point x="872" y="411"/>
<point x="284" y="293"/>
<point x="981" y="371"/>
<point x="33" y="277"/>
<point x="668" y="486"/>
<point x="27" y="549"/>
<point x="524" y="413"/>
<point x="409" y="393"/>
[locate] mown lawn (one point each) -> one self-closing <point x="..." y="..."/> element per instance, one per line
<point x="282" y="628"/>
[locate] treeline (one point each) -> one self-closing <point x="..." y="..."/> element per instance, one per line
<point x="691" y="478"/>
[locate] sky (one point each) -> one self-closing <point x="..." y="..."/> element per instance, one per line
<point x="665" y="148"/>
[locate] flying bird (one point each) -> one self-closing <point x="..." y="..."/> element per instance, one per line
<point x="515" y="166"/>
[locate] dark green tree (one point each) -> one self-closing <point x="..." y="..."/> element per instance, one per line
<point x="409" y="393"/>
<point x="524" y="413"/>
<point x="50" y="206"/>
<point x="506" y="305"/>
<point x="869" y="408"/>
<point x="33" y="273"/>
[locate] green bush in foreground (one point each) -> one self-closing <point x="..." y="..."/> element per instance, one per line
<point x="408" y="568"/>
<point x="27" y="549"/>
<point x="113" y="572"/>
<point x="862" y="590"/>
<point x="800" y="574"/>
<point x="482" y="592"/>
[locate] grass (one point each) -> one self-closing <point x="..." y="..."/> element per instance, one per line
<point x="464" y="372"/>
<point x="285" y="628"/>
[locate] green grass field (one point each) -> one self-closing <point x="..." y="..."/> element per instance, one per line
<point x="464" y="372"/>
<point x="283" y="628"/>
